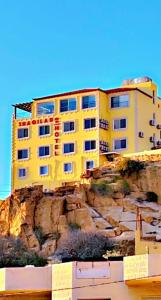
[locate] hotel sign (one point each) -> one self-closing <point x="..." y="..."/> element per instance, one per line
<point x="37" y="121"/>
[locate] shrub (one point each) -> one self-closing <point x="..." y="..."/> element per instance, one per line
<point x="39" y="235"/>
<point x="13" y="253"/>
<point x="83" y="246"/>
<point x="74" y="226"/>
<point x="151" y="197"/>
<point x="102" y="188"/>
<point x="126" y="248"/>
<point x="127" y="167"/>
<point x="125" y="188"/>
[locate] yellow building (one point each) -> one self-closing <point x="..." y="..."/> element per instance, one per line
<point x="65" y="134"/>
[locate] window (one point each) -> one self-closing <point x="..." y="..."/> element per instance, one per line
<point x="119" y="124"/>
<point x="44" y="170"/>
<point x="68" y="148"/>
<point x="45" y="108"/>
<point x="89" y="123"/>
<point x="120" y="101"/>
<point x="21" y="172"/>
<point x="44" y="151"/>
<point x="67" y="105"/>
<point x="88" y="101"/>
<point x="67" y="167"/>
<point x="23" y="133"/>
<point x="22" y="154"/>
<point x="44" y="130"/>
<point x="89" y="164"/>
<point x="120" y="144"/>
<point x="69" y="126"/>
<point x="90" y="145"/>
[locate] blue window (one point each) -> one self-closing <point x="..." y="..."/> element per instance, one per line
<point x="43" y="170"/>
<point x="68" y="126"/>
<point x="44" y="130"/>
<point x="89" y="123"/>
<point x="21" y="172"/>
<point x="22" y="154"/>
<point x="89" y="164"/>
<point x="69" y="148"/>
<point x="23" y="133"/>
<point x="67" y="105"/>
<point x="120" y="101"/>
<point x="120" y="144"/>
<point x="88" y="101"/>
<point x="90" y="145"/>
<point x="44" y="151"/>
<point x="67" y="167"/>
<point x="45" y="108"/>
<point x="120" y="124"/>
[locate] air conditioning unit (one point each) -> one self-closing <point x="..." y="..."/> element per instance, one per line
<point x="151" y="139"/>
<point x="141" y="134"/>
<point x="158" y="143"/>
<point x="159" y="126"/>
<point x="152" y="122"/>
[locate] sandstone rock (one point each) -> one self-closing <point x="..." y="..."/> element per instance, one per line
<point x="48" y="248"/>
<point x="128" y="217"/>
<point x="83" y="219"/>
<point x="126" y="226"/>
<point x="110" y="233"/>
<point x="63" y="224"/>
<point x="114" y="215"/>
<point x="100" y="223"/>
<point x="29" y="238"/>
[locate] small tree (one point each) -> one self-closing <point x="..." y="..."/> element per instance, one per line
<point x="83" y="246"/>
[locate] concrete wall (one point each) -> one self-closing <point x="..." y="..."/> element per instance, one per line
<point x="27" y="278"/>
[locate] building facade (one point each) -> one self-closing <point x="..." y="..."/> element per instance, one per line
<point x="66" y="134"/>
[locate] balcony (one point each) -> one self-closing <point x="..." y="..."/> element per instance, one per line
<point x="142" y="269"/>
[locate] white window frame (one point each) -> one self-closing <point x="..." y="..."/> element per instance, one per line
<point x="22" y="177"/>
<point x="44" y="135"/>
<point x="120" y="149"/>
<point x="47" y="172"/>
<point x="92" y="128"/>
<point x="118" y="119"/>
<point x="69" y="122"/>
<point x="69" y="152"/>
<point x="45" y="155"/>
<point x="119" y="107"/>
<point x="23" y="138"/>
<point x="92" y="150"/>
<point x="68" y="172"/>
<point x="27" y="158"/>
<point x="89" y="108"/>
<point x="68" y="111"/>
<point x="89" y="161"/>
<point x="39" y="115"/>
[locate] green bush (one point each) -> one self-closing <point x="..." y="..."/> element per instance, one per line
<point x="127" y="167"/>
<point x="125" y="188"/>
<point x="74" y="226"/>
<point x="39" y="235"/>
<point x="102" y="188"/>
<point x="151" y="197"/>
<point x="13" y="253"/>
<point x="83" y="246"/>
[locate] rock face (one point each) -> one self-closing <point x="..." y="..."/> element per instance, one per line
<point x="42" y="221"/>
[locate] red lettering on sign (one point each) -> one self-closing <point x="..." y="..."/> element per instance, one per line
<point x="56" y="147"/>
<point x="33" y="122"/>
<point x="46" y="121"/>
<point x="19" y="124"/>
<point x="56" y="134"/>
<point x="51" y="119"/>
<point x="56" y="140"/>
<point x="57" y="127"/>
<point x="37" y="122"/>
<point x="23" y="123"/>
<point x="56" y="153"/>
<point x="41" y="121"/>
<point x="57" y="120"/>
<point x="28" y="123"/>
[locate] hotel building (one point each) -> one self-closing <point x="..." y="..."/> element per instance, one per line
<point x="66" y="134"/>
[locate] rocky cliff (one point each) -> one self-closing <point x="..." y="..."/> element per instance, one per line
<point x="42" y="220"/>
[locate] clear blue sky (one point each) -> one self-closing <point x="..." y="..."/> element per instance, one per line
<point x="51" y="46"/>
